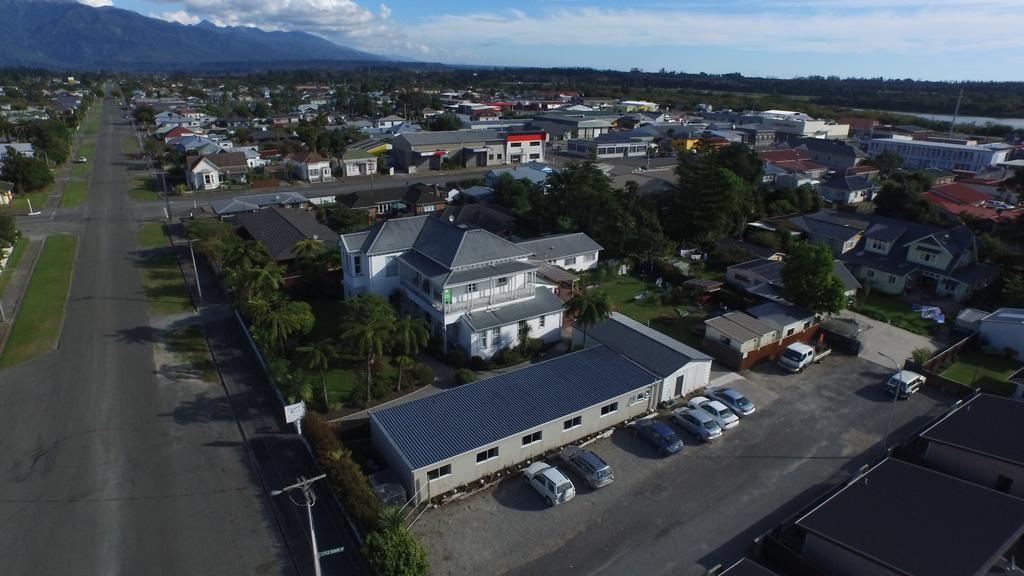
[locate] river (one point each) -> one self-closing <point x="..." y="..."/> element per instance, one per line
<point x="979" y="120"/>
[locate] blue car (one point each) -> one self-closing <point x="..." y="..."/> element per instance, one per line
<point x="659" y="435"/>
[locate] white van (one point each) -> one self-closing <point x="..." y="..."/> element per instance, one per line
<point x="796" y="357"/>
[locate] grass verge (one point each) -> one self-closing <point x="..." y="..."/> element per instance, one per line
<point x="12" y="263"/>
<point x="151" y="235"/>
<point x="74" y="193"/>
<point x="163" y="284"/>
<point x="20" y="203"/>
<point x="986" y="371"/>
<point x="143" y="188"/>
<point x="38" y="324"/>
<point x="189" y="346"/>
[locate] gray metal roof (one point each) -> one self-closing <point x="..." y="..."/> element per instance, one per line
<point x="747" y="567"/>
<point x="647" y="347"/>
<point x="454" y="247"/>
<point x="543" y="302"/>
<point x="450" y="137"/>
<point x="394" y="235"/>
<point x="255" y="202"/>
<point x="436" y="428"/>
<point x="491" y="270"/>
<point x="426" y="266"/>
<point x="279" y="229"/>
<point x="1006" y="316"/>
<point x="354" y="241"/>
<point x="739" y="325"/>
<point x="561" y="245"/>
<point x="779" y="315"/>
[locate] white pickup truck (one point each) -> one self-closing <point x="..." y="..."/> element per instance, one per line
<point x="798" y="356"/>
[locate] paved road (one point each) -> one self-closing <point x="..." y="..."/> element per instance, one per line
<point x="105" y="469"/>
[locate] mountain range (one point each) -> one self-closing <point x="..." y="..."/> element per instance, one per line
<point x="71" y="36"/>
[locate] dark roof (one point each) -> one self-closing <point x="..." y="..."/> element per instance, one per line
<point x="279" y="229"/>
<point x="253" y="202"/>
<point x="645" y="346"/>
<point x="839" y="270"/>
<point x="490" y="218"/>
<point x="824" y="146"/>
<point x="779" y="315"/>
<point x="828" y="225"/>
<point x="489" y="271"/>
<point x="985" y="424"/>
<point x="747" y="567"/>
<point x="364" y="199"/>
<point x="919" y="522"/>
<point x="222" y="160"/>
<point x="543" y="302"/>
<point x="753" y="249"/>
<point x="848" y="183"/>
<point x="418" y="194"/>
<point x="450" y="137"/>
<point x="453" y="247"/>
<point x="307" y="157"/>
<point x="435" y="428"/>
<point x="560" y="245"/>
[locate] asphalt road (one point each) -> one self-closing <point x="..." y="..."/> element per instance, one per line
<point x="684" y="514"/>
<point x="107" y="468"/>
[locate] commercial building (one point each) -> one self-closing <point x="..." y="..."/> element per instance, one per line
<point x="613" y="145"/>
<point x="967" y="155"/>
<point x="466" y="148"/>
<point x="791" y="125"/>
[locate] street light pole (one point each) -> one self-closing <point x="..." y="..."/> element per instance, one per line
<point x="310" y="499"/>
<point x="199" y="286"/>
<point x="895" y="398"/>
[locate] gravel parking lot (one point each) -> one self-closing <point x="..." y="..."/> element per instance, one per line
<point x="685" y="513"/>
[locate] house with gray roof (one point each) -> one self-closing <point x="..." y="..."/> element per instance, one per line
<point x="843" y="189"/>
<point x="442" y="442"/>
<point x="225" y="207"/>
<point x="836" y="154"/>
<point x="681" y="369"/>
<point x="477" y="290"/>
<point x="763" y="277"/>
<point x="573" y="251"/>
<point x="279" y="229"/>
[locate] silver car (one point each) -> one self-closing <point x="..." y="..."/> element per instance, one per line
<point x="697" y="422"/>
<point x="732" y="398"/>
<point x="726" y="419"/>
<point x="587" y="465"/>
<point x="550" y="483"/>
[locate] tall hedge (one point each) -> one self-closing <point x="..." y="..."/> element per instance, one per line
<point x="344" y="475"/>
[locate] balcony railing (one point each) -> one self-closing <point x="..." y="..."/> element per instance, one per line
<point x="499" y="297"/>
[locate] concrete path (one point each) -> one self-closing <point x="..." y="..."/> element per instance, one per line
<point x="896" y="342"/>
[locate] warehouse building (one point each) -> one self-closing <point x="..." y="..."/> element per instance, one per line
<point x="441" y="442"/>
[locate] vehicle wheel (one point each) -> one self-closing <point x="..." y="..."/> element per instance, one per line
<point x="526" y="480"/>
<point x="549" y="500"/>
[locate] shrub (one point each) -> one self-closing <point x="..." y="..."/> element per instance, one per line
<point x="464" y="376"/>
<point x="530" y="347"/>
<point x="345" y="476"/>
<point x="478" y="363"/>
<point x="922" y="355"/>
<point x="457" y="357"/>
<point x="421" y="374"/>
<point x="394" y="552"/>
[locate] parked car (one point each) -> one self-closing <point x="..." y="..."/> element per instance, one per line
<point x="658" y="434"/>
<point x="908" y="383"/>
<point x="82" y="160"/>
<point x="697" y="422"/>
<point x="550" y="483"/>
<point x="587" y="465"/>
<point x="732" y="398"/>
<point x="726" y="419"/>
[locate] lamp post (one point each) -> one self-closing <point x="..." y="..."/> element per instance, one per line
<point x="199" y="287"/>
<point x="895" y="397"/>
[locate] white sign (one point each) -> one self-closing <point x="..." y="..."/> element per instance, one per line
<point x="294" y="412"/>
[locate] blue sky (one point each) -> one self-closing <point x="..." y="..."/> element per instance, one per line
<point x="929" y="39"/>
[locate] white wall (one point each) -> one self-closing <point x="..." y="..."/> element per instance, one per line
<point x="509" y="335"/>
<point x="695" y="375"/>
<point x="579" y="263"/>
<point x="1003" y="335"/>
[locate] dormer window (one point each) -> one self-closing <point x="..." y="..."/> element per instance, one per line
<point x="876" y="245"/>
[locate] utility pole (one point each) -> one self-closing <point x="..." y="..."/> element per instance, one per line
<point x="199" y="286"/>
<point x="310" y="499"/>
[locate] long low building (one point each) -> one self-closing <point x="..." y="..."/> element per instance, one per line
<point x="442" y="442"/>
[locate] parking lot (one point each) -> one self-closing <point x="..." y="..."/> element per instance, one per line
<point x="686" y="513"/>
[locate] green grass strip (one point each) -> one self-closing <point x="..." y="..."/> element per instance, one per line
<point x="12" y="263"/>
<point x="74" y="193"/>
<point x="163" y="283"/>
<point x="41" y="316"/>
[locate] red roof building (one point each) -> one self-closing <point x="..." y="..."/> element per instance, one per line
<point x="959" y="199"/>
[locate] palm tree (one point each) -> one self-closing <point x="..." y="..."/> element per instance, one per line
<point x="319" y="356"/>
<point x="391" y="518"/>
<point x="589" y="307"/>
<point x="245" y="255"/>
<point x="278" y="325"/>
<point x="368" y="340"/>
<point x="266" y="278"/>
<point x="409" y="335"/>
<point x="308" y="248"/>
<point x="299" y="388"/>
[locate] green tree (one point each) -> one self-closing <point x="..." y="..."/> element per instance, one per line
<point x="341" y="218"/>
<point x="900" y="197"/>
<point x="809" y="278"/>
<point x="410" y="334"/>
<point x="318" y="357"/>
<point x="712" y="202"/>
<point x="367" y="325"/>
<point x="280" y="323"/>
<point x="445" y="122"/>
<point x="394" y="552"/>
<point x="1013" y="289"/>
<point x="144" y="114"/>
<point x="513" y="194"/>
<point x="308" y="249"/>
<point x="742" y="161"/>
<point x="8" y="229"/>
<point x="27" y="174"/>
<point x="887" y="162"/>
<point x="589" y="307"/>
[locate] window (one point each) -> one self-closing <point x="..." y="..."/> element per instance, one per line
<point x="571" y="423"/>
<point x="438" y="473"/>
<point x="523" y="328"/>
<point x="534" y="156"/>
<point x="892" y="279"/>
<point x="471" y="287"/>
<point x="790" y="331"/>
<point x="483" y="340"/>
<point x="495" y="336"/>
<point x="490" y="156"/>
<point x="383" y="208"/>
<point x="535" y="143"/>
<point x="489" y="454"/>
<point x="499" y="156"/>
<point x="542" y="319"/>
<point x="590" y="257"/>
<point x="639" y="397"/>
<point x="391" y="265"/>
<point x="517" y="144"/>
<point x="357" y="264"/>
<point x="927" y="257"/>
<point x="570" y="261"/>
<point x="503" y="281"/>
<point x="532" y="438"/>
<point x="609" y="408"/>
<point x="429" y="208"/>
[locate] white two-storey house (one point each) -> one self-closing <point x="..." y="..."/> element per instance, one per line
<point x="477" y="290"/>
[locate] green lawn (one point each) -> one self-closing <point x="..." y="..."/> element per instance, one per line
<point x="130" y="145"/>
<point x="86" y="148"/>
<point x="74" y="193"/>
<point x="81" y="170"/>
<point x="91" y="125"/>
<point x="341" y="383"/>
<point x="20" y="203"/>
<point x="664" y="318"/>
<point x="39" y="321"/>
<point x="143" y="188"/>
<point x="986" y="371"/>
<point x="189" y="346"/>
<point x="894" y="311"/>
<point x="151" y="235"/>
<point x="163" y="283"/>
<point x="8" y="272"/>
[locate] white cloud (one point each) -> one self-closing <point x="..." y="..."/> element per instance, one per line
<point x="385" y="12"/>
<point x="179" y="16"/>
<point x="97" y="3"/>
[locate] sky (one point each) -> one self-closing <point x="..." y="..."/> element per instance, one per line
<point x="920" y="39"/>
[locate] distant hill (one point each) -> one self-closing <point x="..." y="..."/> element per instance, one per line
<point x="69" y="35"/>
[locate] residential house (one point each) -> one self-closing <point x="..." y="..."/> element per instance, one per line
<point x="416" y="199"/>
<point x="957" y="200"/>
<point x="978" y="440"/>
<point x="797" y="173"/>
<point x="6" y="193"/>
<point x="835" y="154"/>
<point x="1004" y="331"/>
<point x="279" y="229"/>
<point x="844" y="189"/>
<point x="23" y="148"/>
<point x="495" y="219"/>
<point x="737" y="339"/>
<point x="310" y="167"/>
<point x="357" y="162"/>
<point x="251" y="153"/>
<point x="572" y="251"/>
<point x="227" y="207"/>
<point x="211" y="171"/>
<point x="438" y="443"/>
<point x="174" y="132"/>
<point x="478" y="291"/>
<point x="763" y="277"/>
<point x="785" y="319"/>
<point x="388" y="121"/>
<point x="681" y="370"/>
<point x="536" y="172"/>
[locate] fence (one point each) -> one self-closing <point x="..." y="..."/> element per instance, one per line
<point x="941" y="359"/>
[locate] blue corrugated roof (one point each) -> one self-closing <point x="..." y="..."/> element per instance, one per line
<point x="439" y="427"/>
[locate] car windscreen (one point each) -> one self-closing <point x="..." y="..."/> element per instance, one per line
<point x="711" y="425"/>
<point x="603" y="473"/>
<point x="741" y="401"/>
<point x="792" y="355"/>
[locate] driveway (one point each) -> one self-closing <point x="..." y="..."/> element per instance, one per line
<point x="895" y="342"/>
<point x="684" y="514"/>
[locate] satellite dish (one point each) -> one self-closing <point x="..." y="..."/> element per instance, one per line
<point x="451" y="218"/>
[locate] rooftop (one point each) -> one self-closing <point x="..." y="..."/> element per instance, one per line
<point x="985" y="424"/>
<point x="279" y="229"/>
<point x="226" y="206"/>
<point x="739" y="325"/>
<point x="543" y="302"/>
<point x="647" y="347"/>
<point x="438" y="427"/>
<point x="560" y="246"/>
<point x="919" y="522"/>
<point x="747" y="567"/>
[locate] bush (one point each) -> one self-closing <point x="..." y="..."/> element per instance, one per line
<point x="464" y="376"/>
<point x="394" y="552"/>
<point x="922" y="355"/>
<point x="344" y="475"/>
<point x="530" y="347"/>
<point x="421" y="375"/>
<point x="477" y="363"/>
<point x="457" y="357"/>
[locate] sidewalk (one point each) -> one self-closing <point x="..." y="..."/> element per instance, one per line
<point x="15" y="291"/>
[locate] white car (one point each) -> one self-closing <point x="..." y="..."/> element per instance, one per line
<point x="908" y="382"/>
<point x="550" y="483"/>
<point x="82" y="160"/>
<point x="697" y="422"/>
<point x="725" y="417"/>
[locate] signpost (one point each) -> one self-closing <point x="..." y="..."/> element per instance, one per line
<point x="331" y="551"/>
<point x="295" y="413"/>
